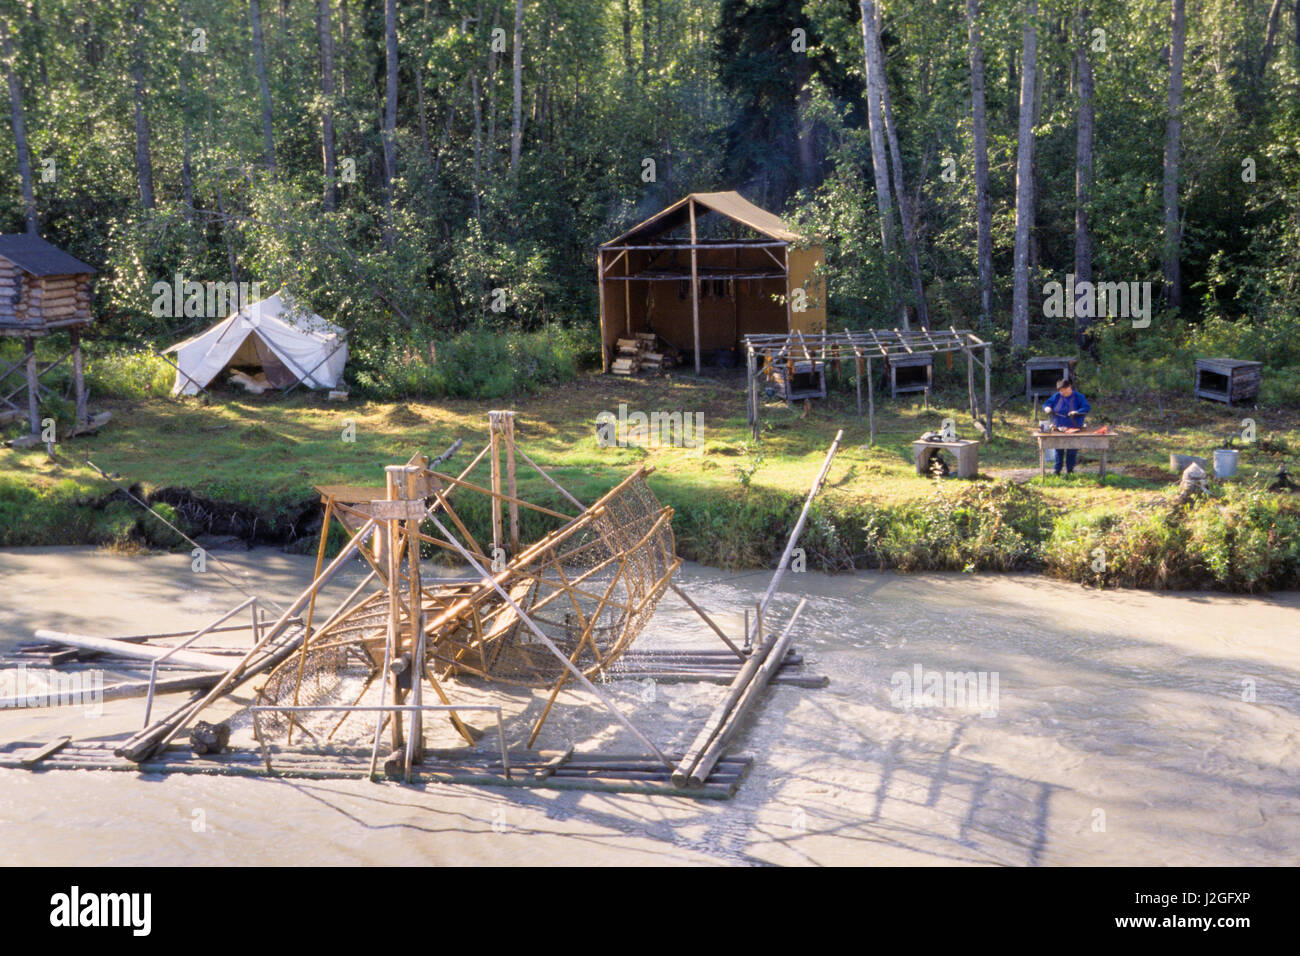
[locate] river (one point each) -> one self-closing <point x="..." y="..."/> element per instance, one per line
<point x="1116" y="728"/>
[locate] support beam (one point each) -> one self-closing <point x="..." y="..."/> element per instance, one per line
<point x="695" y="287"/>
<point x="33" y="386"/>
<point x="78" y="378"/>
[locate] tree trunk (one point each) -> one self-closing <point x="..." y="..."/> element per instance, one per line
<point x="259" y="62"/>
<point x="1083" y="174"/>
<point x="645" y="38"/>
<point x="516" y="118"/>
<point x="20" y="130"/>
<point x="876" y="125"/>
<point x="905" y="210"/>
<point x="1024" y="179"/>
<point x="983" y="204"/>
<point x="478" y="142"/>
<point x="390" y="120"/>
<point x="327" y="95"/>
<point x="1173" y="137"/>
<point x="1270" y="35"/>
<point x="187" y="152"/>
<point x="627" y="38"/>
<point x="143" y="154"/>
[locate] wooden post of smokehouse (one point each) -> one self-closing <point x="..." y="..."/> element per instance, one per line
<point x="695" y="286"/>
<point x="600" y="280"/>
<point x="33" y="386"/>
<point x="395" y="479"/>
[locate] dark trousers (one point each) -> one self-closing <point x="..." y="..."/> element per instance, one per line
<point x="1066" y="456"/>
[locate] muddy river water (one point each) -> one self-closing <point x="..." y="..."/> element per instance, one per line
<point x="1114" y="728"/>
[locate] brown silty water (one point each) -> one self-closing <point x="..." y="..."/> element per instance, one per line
<point x="1106" y="728"/>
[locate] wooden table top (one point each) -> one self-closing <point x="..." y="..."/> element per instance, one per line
<point x="1088" y="438"/>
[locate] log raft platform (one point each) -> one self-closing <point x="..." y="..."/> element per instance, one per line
<point x="532" y="769"/>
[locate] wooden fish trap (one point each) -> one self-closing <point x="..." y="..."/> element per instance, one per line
<point x="558" y="612"/>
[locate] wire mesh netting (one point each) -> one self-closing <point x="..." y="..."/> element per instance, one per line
<point x="590" y="588"/>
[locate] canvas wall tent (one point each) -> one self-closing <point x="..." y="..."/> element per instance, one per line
<point x="706" y="294"/>
<point x="289" y="343"/>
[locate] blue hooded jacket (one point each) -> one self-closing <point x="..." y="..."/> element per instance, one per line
<point x="1060" y="407"/>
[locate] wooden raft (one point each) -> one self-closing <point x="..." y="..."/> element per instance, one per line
<point x="533" y="769"/>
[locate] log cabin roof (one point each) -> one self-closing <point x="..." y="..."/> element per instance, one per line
<point x="34" y="255"/>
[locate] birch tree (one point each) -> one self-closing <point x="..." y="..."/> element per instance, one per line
<point x="983" y="203"/>
<point x="328" y="157"/>
<point x="1024" y="179"/>
<point x="1173" y="144"/>
<point x="19" y="129"/>
<point x="1083" y="171"/>
<point x="259" y="64"/>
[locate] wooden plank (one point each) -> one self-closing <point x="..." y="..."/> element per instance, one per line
<point x="49" y="750"/>
<point x="142" y="652"/>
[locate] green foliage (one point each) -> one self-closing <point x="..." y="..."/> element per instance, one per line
<point x="480" y="362"/>
<point x="128" y="373"/>
<point x="1234" y="539"/>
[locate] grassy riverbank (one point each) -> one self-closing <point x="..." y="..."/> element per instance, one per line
<point x="244" y="465"/>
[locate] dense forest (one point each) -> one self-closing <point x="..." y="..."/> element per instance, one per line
<point x="396" y="163"/>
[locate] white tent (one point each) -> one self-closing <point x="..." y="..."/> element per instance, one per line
<point x="289" y="343"/>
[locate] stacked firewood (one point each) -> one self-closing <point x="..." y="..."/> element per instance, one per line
<point x="645" y="351"/>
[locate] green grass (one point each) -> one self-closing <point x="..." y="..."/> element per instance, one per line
<point x="734" y="498"/>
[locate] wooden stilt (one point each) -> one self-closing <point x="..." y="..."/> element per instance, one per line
<point x="33" y="386"/>
<point x="78" y="378"/>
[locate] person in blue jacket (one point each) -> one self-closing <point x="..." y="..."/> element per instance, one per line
<point x="1068" y="409"/>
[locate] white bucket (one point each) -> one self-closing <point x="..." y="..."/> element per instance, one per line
<point x="1225" y="462"/>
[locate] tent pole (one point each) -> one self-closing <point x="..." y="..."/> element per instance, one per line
<point x="695" y="285"/>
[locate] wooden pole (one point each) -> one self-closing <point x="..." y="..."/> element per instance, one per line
<point x="494" y="431"/>
<point x="744" y="702"/>
<point x="695" y="288"/>
<point x="415" y="748"/>
<point x="627" y="295"/>
<point x="871" y="402"/>
<point x="970" y="383"/>
<point x="600" y="280"/>
<point x="512" y="506"/>
<point x="78" y="377"/>
<point x="33" y="386"/>
<point x="857" y="381"/>
<point x="988" y="390"/>
<point x="394" y="476"/>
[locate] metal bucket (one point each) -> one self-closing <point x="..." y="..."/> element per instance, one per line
<point x="1225" y="462"/>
